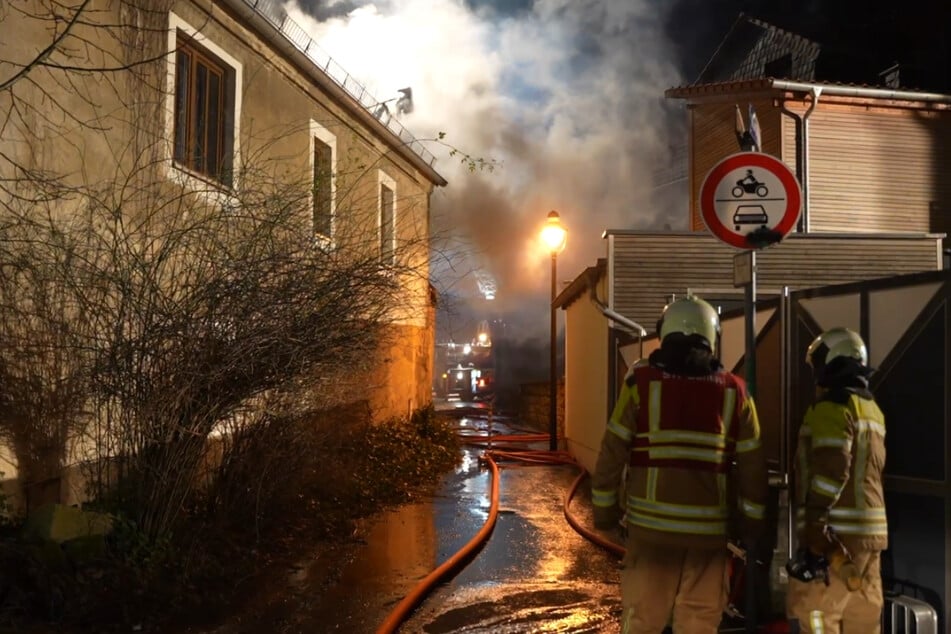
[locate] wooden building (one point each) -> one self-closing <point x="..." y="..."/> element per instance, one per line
<point x="869" y="157"/>
<point x="870" y="161"/>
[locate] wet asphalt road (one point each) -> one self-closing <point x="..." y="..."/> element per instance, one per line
<point x="535" y="574"/>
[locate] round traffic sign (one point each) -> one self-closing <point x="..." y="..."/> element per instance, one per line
<point x="750" y="200"/>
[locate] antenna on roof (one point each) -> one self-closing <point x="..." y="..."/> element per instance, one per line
<point x="891" y="76"/>
<point x="747" y="137"/>
<point x="404" y="105"/>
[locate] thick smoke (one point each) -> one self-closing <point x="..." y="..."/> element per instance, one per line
<point x="322" y="10"/>
<point x="564" y="98"/>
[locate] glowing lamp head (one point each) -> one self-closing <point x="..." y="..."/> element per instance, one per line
<point x="554" y="234"/>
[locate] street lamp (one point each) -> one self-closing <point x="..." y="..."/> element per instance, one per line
<point x="554" y="237"/>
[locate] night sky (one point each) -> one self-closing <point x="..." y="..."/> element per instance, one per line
<point x="861" y="38"/>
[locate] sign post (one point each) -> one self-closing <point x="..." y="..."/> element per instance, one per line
<point x="750" y="201"/>
<point x="744" y="274"/>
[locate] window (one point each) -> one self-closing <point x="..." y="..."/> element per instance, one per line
<point x="779" y="68"/>
<point x="323" y="164"/>
<point x="387" y="219"/>
<point x="203" y="106"/>
<point x="322" y="193"/>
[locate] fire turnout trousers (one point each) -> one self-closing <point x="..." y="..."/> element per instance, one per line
<point x="833" y="609"/>
<point x="662" y="585"/>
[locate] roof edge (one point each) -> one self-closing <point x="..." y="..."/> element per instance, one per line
<point x="920" y="235"/>
<point x="770" y="84"/>
<point x="580" y="284"/>
<point x="247" y="13"/>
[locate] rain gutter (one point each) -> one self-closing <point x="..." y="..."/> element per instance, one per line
<point x="860" y="91"/>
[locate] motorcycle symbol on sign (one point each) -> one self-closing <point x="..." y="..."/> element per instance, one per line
<point x="749" y="185"/>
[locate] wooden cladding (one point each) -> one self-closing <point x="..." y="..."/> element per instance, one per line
<point x="712" y="127"/>
<point x="648" y="267"/>
<point x="876" y="169"/>
<point x="871" y="169"/>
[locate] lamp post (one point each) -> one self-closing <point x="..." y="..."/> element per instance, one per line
<point x="553" y="236"/>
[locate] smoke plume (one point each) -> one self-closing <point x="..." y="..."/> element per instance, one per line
<point x="566" y="97"/>
<point x="562" y="98"/>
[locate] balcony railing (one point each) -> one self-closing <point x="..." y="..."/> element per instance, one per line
<point x="286" y="26"/>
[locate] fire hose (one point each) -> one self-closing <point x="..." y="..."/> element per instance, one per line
<point x="491" y="457"/>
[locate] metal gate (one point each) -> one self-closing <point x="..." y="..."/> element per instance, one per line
<point x="906" y="323"/>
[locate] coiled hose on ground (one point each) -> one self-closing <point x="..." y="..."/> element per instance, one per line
<point x="492" y="456"/>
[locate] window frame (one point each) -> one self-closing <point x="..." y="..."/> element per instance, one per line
<point x="182" y="35"/>
<point x="319" y="133"/>
<point x="386" y="181"/>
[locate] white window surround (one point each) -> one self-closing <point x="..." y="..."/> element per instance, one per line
<point x="215" y="192"/>
<point x="385" y="179"/>
<point x="326" y="136"/>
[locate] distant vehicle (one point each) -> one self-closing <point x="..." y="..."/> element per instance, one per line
<point x="467" y="383"/>
<point x="468" y="368"/>
<point x="750" y="215"/>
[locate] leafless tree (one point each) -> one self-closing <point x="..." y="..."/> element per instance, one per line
<point x="140" y="316"/>
<point x="147" y="317"/>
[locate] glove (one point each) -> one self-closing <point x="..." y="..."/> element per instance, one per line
<point x="807" y="566"/>
<point x="606" y="517"/>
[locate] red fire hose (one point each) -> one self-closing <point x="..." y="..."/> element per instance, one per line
<point x="544" y="457"/>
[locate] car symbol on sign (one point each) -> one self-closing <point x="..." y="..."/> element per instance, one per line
<point x="750" y="215"/>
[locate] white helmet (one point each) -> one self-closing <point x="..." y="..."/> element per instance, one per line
<point x="838" y="352"/>
<point x="835" y="343"/>
<point x="690" y="316"/>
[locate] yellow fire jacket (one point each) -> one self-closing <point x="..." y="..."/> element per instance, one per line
<point x="839" y="461"/>
<point x="696" y="471"/>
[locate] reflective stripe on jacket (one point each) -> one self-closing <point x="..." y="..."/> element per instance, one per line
<point x="839" y="460"/>
<point x="680" y="437"/>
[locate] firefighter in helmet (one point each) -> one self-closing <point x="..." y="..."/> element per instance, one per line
<point x="835" y="576"/>
<point x="680" y="424"/>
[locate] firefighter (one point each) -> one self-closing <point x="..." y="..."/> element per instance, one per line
<point x="835" y="577"/>
<point x="679" y="425"/>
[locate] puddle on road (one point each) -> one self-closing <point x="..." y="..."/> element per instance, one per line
<point x="399" y="546"/>
<point x="578" y="609"/>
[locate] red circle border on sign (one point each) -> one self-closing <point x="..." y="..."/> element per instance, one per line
<point x="753" y="159"/>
